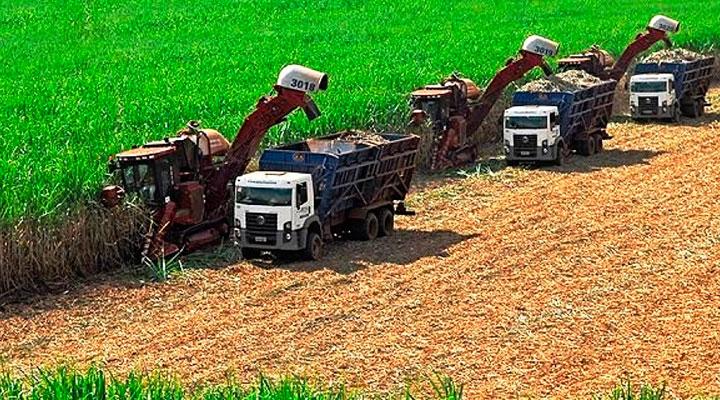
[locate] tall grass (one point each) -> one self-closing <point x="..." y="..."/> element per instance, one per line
<point x="64" y="383"/>
<point x="88" y="240"/>
<point x="84" y="79"/>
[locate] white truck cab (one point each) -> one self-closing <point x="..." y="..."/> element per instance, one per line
<point x="531" y="133"/>
<point x="653" y="96"/>
<point x="274" y="211"/>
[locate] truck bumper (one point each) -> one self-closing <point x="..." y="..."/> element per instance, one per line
<point x="536" y="154"/>
<point x="656" y="113"/>
<point x="271" y="241"/>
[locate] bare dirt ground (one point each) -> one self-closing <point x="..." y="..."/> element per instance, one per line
<point x="539" y="282"/>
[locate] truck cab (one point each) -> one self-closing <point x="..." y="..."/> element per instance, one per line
<point x="275" y="210"/>
<point x="653" y="96"/>
<point x="531" y="133"/>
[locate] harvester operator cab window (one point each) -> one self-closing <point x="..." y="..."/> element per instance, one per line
<point x="431" y="107"/>
<point x="146" y="182"/>
<point x="149" y="180"/>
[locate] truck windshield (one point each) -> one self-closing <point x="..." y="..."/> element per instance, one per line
<point x="526" y="122"/>
<point x="648" y="87"/>
<point x="264" y="196"/>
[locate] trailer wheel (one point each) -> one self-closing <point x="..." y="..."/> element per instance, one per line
<point x="368" y="228"/>
<point x="249" y="254"/>
<point x="691" y="110"/>
<point x="598" y="143"/>
<point x="591" y="146"/>
<point x="387" y="222"/>
<point x="313" y="247"/>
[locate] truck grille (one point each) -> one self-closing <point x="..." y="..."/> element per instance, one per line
<point x="257" y="222"/>
<point x="525" y="145"/>
<point x="648" y="105"/>
<point x="261" y="228"/>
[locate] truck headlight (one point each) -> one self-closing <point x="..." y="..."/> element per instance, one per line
<point x="507" y="150"/>
<point x="664" y="103"/>
<point x="287" y="226"/>
<point x="287" y="236"/>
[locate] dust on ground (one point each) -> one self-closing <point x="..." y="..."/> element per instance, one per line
<point x="554" y="281"/>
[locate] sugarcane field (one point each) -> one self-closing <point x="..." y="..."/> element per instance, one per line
<point x="220" y="200"/>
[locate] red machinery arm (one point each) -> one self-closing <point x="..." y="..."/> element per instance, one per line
<point x="269" y="112"/>
<point x="514" y="70"/>
<point x="641" y="43"/>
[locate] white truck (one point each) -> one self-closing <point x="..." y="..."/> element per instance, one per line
<point x="666" y="90"/>
<point x="547" y="126"/>
<point x="309" y="192"/>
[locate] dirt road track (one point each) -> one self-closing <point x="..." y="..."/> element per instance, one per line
<point x="531" y="282"/>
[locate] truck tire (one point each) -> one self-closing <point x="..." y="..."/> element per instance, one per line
<point x="561" y="155"/>
<point x="313" y="250"/>
<point x="691" y="110"/>
<point x="249" y="254"/>
<point x="368" y="228"/>
<point x="701" y="107"/>
<point x="387" y="222"/>
<point x="598" y="143"/>
<point x="586" y="147"/>
<point x="676" y="114"/>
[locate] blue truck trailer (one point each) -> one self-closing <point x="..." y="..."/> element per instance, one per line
<point x="310" y="192"/>
<point x="547" y="126"/>
<point x="666" y="90"/>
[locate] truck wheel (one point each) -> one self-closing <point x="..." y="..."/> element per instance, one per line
<point x="387" y="222"/>
<point x="676" y="114"/>
<point x="313" y="247"/>
<point x="367" y="229"/>
<point x="591" y="146"/>
<point x="250" y="254"/>
<point x="598" y="143"/>
<point x="701" y="107"/>
<point x="561" y="154"/>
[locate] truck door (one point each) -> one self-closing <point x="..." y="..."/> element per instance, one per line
<point x="303" y="204"/>
<point x="554" y="126"/>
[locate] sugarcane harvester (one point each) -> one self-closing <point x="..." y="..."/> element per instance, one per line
<point x="457" y="108"/>
<point x="184" y="180"/>
<point x="600" y="63"/>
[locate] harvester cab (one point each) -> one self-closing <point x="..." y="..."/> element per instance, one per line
<point x="148" y="172"/>
<point x="600" y="63"/>
<point x="184" y="179"/>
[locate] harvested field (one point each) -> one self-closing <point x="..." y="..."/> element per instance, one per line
<point x="552" y="281"/>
